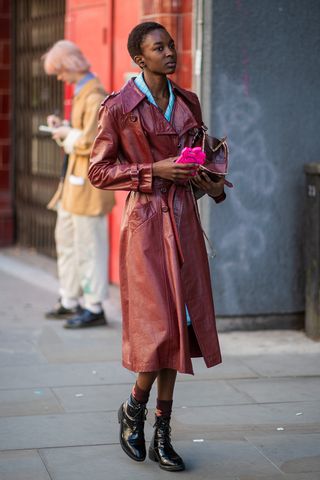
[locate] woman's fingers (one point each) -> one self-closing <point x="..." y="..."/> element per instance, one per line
<point x="171" y="170"/>
<point x="203" y="182"/>
<point x="187" y="168"/>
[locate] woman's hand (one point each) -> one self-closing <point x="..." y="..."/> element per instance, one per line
<point x="204" y="183"/>
<point x="170" y="170"/>
<point x="60" y="133"/>
<point x="54" y="121"/>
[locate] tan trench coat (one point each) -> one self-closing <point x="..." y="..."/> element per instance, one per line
<point x="84" y="199"/>
<point x="163" y="259"/>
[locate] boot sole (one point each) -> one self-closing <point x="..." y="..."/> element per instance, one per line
<point x="153" y="456"/>
<point x="120" y="415"/>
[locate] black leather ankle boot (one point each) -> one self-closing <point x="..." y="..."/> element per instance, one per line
<point x="161" y="450"/>
<point x="131" y="418"/>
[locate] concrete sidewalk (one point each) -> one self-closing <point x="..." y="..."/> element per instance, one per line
<point x="256" y="416"/>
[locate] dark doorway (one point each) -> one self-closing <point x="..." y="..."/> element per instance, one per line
<point x="37" y="159"/>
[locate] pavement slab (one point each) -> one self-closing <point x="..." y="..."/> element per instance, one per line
<point x="32" y="432"/>
<point x="224" y="460"/>
<point x="22" y="465"/>
<point x="93" y="398"/>
<point x="284" y="365"/>
<point x="22" y="402"/>
<point x="277" y="415"/>
<point x="292" y="389"/>
<point x="291" y="453"/>
<point x="56" y="375"/>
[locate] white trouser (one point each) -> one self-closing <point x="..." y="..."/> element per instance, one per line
<point x="82" y="250"/>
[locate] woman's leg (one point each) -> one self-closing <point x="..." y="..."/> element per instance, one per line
<point x="160" y="449"/>
<point x="166" y="381"/>
<point x="143" y="385"/>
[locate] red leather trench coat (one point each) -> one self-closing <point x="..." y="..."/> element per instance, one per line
<point x="163" y="259"/>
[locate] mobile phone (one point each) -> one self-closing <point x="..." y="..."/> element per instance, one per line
<point x="46" y="129"/>
<point x="214" y="176"/>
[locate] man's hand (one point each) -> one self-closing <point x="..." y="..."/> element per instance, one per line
<point x="60" y="133"/>
<point x="204" y="183"/>
<point x="175" y="172"/>
<point x="54" y="121"/>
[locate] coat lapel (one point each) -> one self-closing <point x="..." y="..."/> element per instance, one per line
<point x="182" y="118"/>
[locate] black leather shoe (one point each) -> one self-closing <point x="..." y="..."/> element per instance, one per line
<point x="161" y="450"/>
<point x="86" y="319"/>
<point x="59" y="312"/>
<point x="131" y="419"/>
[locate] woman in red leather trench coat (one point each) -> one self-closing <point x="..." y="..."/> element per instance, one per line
<point x="164" y="272"/>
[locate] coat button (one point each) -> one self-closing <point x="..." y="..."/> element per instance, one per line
<point x="163" y="190"/>
<point x="165" y="209"/>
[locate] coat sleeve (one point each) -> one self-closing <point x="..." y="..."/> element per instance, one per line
<point x="105" y="170"/>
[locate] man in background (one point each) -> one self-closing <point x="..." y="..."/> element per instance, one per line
<point x="81" y="229"/>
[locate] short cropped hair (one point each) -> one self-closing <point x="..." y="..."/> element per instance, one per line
<point x="138" y="34"/>
<point x="65" y="55"/>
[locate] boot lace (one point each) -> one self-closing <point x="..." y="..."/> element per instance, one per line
<point x="163" y="425"/>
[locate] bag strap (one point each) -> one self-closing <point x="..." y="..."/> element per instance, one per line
<point x="222" y="143"/>
<point x="212" y="252"/>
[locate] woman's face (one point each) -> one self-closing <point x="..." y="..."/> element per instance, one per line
<point x="158" y="53"/>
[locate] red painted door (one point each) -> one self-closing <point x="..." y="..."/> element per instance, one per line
<point x="126" y="16"/>
<point x="88" y="25"/>
<point x="100" y="28"/>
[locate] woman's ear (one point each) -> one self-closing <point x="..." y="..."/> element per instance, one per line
<point x="138" y="59"/>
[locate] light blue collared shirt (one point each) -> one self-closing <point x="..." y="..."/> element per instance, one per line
<point x="82" y="82"/>
<point x="143" y="87"/>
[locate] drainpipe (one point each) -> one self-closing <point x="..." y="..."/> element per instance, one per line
<point x="198" y="46"/>
<point x="202" y="12"/>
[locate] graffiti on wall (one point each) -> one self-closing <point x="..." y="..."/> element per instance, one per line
<point x="250" y="215"/>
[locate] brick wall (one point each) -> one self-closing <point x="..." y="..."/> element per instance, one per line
<point x="6" y="212"/>
<point x="176" y="16"/>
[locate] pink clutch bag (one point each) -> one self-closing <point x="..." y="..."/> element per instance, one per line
<point x="192" y="155"/>
<point x="215" y="165"/>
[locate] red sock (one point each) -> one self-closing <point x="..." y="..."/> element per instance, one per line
<point x="163" y="408"/>
<point x="141" y="396"/>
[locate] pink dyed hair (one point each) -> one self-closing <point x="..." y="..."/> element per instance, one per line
<point x="64" y="55"/>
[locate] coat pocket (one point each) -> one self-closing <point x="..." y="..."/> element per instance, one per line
<point x="140" y="215"/>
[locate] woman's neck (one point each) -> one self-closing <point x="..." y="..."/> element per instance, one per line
<point x="157" y="84"/>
